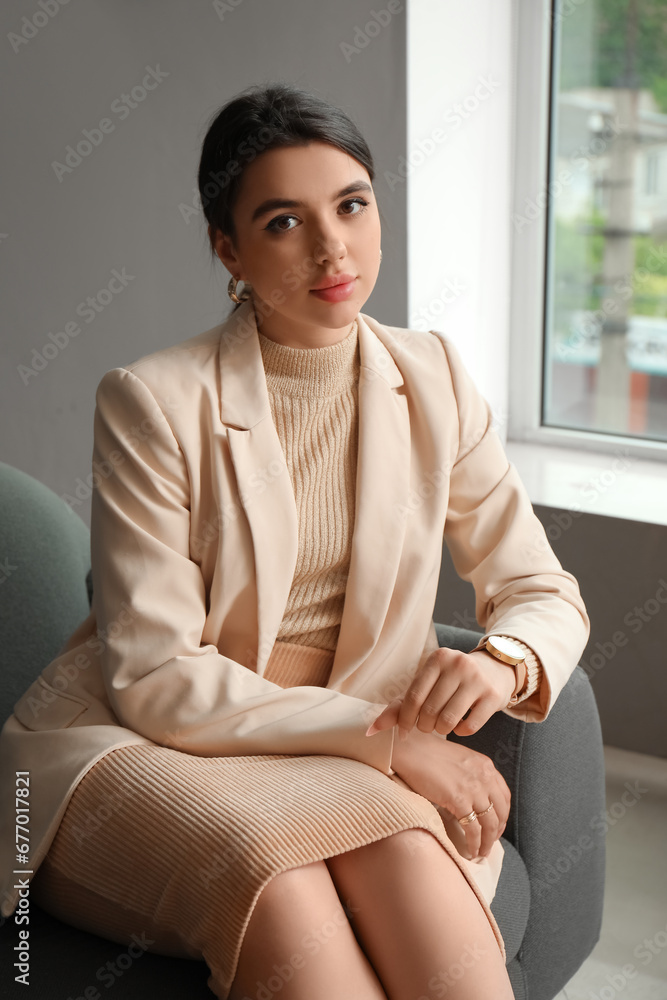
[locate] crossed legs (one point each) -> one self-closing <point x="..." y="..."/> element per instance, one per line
<point x="393" y="919"/>
<point x="299" y="944"/>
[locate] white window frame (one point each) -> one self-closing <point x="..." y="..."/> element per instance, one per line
<point x="530" y="161"/>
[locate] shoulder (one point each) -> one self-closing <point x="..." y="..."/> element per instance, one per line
<point x="194" y="353"/>
<point x="174" y="370"/>
<point x="409" y="345"/>
<point x="431" y="365"/>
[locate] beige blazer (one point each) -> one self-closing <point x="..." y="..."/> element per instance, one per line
<point x="194" y="545"/>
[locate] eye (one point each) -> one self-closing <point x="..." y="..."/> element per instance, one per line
<point x="361" y="202"/>
<point x="275" y="227"/>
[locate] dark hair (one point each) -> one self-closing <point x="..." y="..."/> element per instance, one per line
<point x="260" y="118"/>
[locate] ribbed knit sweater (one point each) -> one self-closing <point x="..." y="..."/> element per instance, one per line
<point x="314" y="403"/>
<point x="313" y="394"/>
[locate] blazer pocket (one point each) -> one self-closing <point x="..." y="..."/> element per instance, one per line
<point x="42" y="707"/>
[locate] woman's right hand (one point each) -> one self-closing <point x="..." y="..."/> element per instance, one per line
<point x="459" y="780"/>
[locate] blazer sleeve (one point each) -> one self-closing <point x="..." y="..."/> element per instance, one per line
<point x="162" y="681"/>
<point x="498" y="543"/>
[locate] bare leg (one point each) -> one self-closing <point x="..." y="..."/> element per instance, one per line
<point x="299" y="943"/>
<point x="418" y="921"/>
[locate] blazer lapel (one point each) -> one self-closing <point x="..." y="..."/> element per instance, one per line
<point x="267" y="496"/>
<point x="383" y="471"/>
<point x="263" y="481"/>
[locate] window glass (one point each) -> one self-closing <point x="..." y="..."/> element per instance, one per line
<point x="605" y="345"/>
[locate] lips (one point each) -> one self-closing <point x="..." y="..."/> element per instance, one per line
<point x="332" y="280"/>
<point x="340" y="292"/>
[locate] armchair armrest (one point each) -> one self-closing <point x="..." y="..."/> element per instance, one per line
<point x="555" y="773"/>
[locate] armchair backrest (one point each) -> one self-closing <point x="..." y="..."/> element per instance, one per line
<point x="44" y="560"/>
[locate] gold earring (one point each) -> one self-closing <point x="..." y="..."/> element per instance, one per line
<point x="231" y="290"/>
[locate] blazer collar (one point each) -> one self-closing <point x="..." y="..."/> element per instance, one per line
<point x="267" y="496"/>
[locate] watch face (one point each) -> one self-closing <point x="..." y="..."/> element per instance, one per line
<point x="507" y="647"/>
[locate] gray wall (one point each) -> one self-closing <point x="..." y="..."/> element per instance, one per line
<point x="64" y="233"/>
<point x="621" y="567"/>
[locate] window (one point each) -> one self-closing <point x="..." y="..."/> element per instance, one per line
<point x="652" y="166"/>
<point x="598" y="225"/>
<point x="605" y="366"/>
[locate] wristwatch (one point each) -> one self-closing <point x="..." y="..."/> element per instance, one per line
<point x="509" y="651"/>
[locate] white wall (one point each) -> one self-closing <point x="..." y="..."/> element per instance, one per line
<point x="61" y="237"/>
<point x="458" y="155"/>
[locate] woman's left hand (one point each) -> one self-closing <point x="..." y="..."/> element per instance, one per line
<point x="449" y="685"/>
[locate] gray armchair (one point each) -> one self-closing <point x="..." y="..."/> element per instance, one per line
<point x="549" y="898"/>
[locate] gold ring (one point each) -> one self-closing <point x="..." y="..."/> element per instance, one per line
<point x="488" y="809"/>
<point x="470" y="818"/>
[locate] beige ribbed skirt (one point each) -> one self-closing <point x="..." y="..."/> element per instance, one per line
<point x="182" y="846"/>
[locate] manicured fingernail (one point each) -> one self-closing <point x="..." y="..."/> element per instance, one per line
<point x="371" y="730"/>
<point x="402" y="733"/>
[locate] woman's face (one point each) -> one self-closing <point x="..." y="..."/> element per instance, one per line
<point x="285" y="250"/>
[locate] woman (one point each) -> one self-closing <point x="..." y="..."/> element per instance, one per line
<point x="215" y="750"/>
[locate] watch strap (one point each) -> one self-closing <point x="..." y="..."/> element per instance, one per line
<point x="529" y="673"/>
<point x="521" y="672"/>
<point x="533" y="668"/>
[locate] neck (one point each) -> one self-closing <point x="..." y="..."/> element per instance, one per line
<point x="298" y="335"/>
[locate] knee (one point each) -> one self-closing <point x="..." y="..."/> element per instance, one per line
<point x="395" y="847"/>
<point x="302" y="882"/>
<point x="414" y="841"/>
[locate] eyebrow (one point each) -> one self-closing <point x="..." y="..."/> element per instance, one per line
<point x="272" y="203"/>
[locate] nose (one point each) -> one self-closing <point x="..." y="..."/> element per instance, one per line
<point x="329" y="246"/>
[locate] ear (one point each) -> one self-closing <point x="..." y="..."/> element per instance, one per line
<point x="225" y="251"/>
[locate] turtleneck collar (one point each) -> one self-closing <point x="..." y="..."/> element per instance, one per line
<point x="311" y="371"/>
